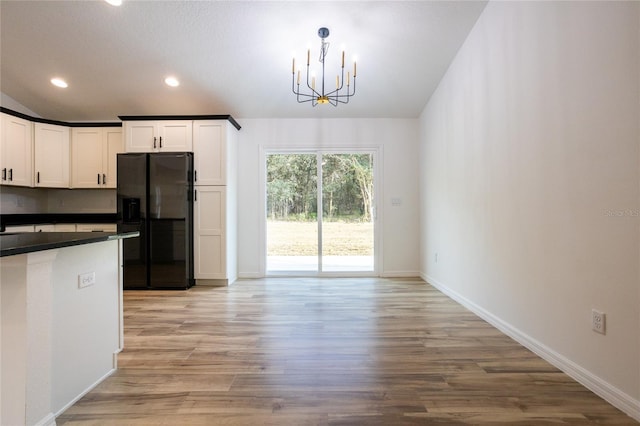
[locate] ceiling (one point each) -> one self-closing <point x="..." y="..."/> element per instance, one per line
<point x="231" y="57"/>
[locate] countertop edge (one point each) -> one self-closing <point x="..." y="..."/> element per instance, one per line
<point x="13" y="244"/>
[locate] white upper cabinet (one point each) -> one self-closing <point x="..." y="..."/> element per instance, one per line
<point x="16" y="151"/>
<point x="51" y="156"/>
<point x="94" y="155"/>
<point x="210" y="152"/>
<point x="158" y="136"/>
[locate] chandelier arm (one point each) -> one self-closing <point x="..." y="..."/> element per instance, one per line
<point x="309" y="85"/>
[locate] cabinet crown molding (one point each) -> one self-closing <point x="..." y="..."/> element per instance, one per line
<point x="59" y="123"/>
<point x="180" y="117"/>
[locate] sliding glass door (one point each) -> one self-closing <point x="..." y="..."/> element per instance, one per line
<point x="320" y="213"/>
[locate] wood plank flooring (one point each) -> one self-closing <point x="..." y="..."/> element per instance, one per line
<point x="326" y="352"/>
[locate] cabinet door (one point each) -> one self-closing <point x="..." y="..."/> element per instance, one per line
<point x="16" y="151"/>
<point x="111" y="145"/>
<point x="209" y="152"/>
<point x="175" y="136"/>
<point x="51" y="156"/>
<point x="96" y="227"/>
<point x="86" y="157"/>
<point x="140" y="136"/>
<point x="209" y="229"/>
<point x="64" y="227"/>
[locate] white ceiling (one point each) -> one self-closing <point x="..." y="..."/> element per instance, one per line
<point x="232" y="57"/>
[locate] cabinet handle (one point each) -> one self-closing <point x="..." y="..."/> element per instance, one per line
<point x="154" y="142"/>
<point x="104" y="179"/>
<point x="195" y="195"/>
<point x="4" y="174"/>
<point x="195" y="175"/>
<point x="98" y="178"/>
<point x="38" y="177"/>
<point x="10" y="175"/>
<point x="160" y="141"/>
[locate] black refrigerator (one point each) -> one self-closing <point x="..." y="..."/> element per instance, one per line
<point x="155" y="198"/>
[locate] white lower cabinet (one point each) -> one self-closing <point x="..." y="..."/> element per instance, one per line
<point x="210" y="239"/>
<point x="96" y="227"/>
<point x="18" y="228"/>
<point x="55" y="227"/>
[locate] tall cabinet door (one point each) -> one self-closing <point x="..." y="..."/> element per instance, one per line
<point x="16" y="148"/>
<point x="51" y="156"/>
<point x="211" y="159"/>
<point x="86" y="157"/>
<point x="112" y="145"/>
<point x="210" y="236"/>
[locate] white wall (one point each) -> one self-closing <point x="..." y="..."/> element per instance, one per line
<point x="9" y="102"/>
<point x="397" y="140"/>
<point x="529" y="194"/>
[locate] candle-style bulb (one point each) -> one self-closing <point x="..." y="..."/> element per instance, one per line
<point x="354" y="69"/>
<point x="298" y="78"/>
<point x="293" y="66"/>
<point x="347" y="78"/>
<point x="337" y="81"/>
<point x="308" y="56"/>
<point x="343" y="59"/>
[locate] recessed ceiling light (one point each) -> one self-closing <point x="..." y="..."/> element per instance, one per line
<point x="172" y="81"/>
<point x="114" y="2"/>
<point x="59" y="82"/>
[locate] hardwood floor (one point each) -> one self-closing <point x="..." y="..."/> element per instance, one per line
<point x="326" y="352"/>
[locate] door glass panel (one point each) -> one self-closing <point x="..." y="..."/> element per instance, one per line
<point x="347" y="213"/>
<point x="292" y="225"/>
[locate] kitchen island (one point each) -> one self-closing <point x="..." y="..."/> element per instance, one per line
<point x="60" y="320"/>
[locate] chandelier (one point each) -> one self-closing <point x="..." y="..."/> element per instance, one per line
<point x="320" y="94"/>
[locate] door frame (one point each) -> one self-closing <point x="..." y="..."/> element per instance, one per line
<point x="376" y="152"/>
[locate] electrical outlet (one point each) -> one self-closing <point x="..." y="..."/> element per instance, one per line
<point x="598" y="321"/>
<point x="85" y="280"/>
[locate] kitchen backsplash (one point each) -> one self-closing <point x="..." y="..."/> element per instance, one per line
<point x="16" y="200"/>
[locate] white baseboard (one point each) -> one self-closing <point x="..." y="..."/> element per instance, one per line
<point x="400" y="274"/>
<point x="600" y="387"/>
<point x="48" y="420"/>
<point x="250" y="275"/>
<point x="83" y="393"/>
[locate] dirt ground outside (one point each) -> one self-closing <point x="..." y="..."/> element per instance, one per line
<point x="291" y="238"/>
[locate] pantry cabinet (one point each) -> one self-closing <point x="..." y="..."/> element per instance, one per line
<point x="158" y="136"/>
<point x="16" y="151"/>
<point x="51" y="156"/>
<point x="94" y="153"/>
<point x="215" y="201"/>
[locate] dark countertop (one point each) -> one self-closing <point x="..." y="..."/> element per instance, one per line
<point x="29" y="242"/>
<point x="41" y="218"/>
